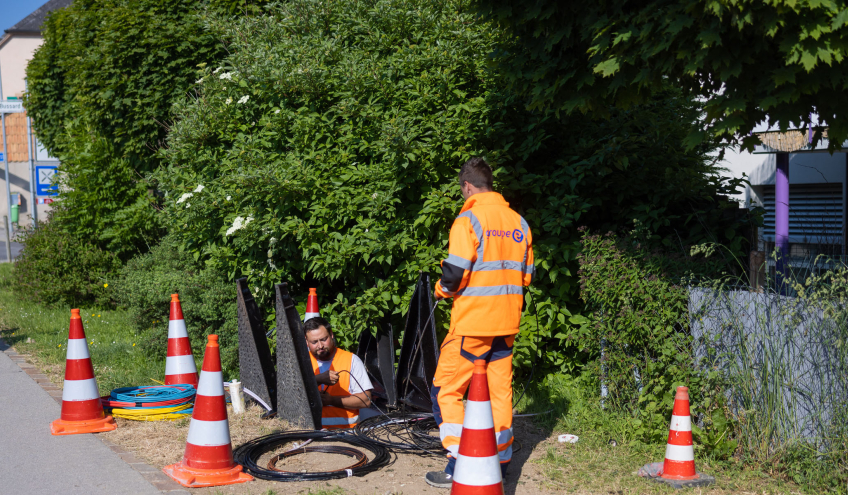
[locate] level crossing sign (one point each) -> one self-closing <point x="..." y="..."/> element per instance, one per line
<point x="44" y="176"/>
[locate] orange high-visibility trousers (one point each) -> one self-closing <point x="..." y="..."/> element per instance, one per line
<point x="453" y="375"/>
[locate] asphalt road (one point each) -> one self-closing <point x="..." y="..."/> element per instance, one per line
<point x="34" y="461"/>
<point x="16" y="246"/>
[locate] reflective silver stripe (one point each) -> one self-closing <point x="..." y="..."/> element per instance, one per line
<point x="506" y="454"/>
<point x="449" y="430"/>
<point x="503" y="436"/>
<point x="339" y="421"/>
<point x="492" y="290"/>
<point x="488" y="266"/>
<point x="526" y="229"/>
<point x="458" y="261"/>
<point x="478" y="231"/>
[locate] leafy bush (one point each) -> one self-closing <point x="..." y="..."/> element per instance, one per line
<point x="640" y="337"/>
<point x="57" y="269"/>
<point x="324" y="150"/>
<point x="104" y="200"/>
<point x="207" y="299"/>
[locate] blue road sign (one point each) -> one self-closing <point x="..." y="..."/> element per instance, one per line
<point x="44" y="175"/>
<point x="1" y="156"/>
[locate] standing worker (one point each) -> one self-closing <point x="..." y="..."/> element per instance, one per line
<point x="490" y="261"/>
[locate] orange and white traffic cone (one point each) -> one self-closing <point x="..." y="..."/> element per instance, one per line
<point x="82" y="411"/>
<point x="478" y="467"/>
<point x="311" y="305"/>
<point x="208" y="458"/>
<point x="679" y="465"/>
<point x="179" y="365"/>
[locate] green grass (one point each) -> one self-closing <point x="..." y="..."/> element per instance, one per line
<point x="43" y="333"/>
<point x="607" y="455"/>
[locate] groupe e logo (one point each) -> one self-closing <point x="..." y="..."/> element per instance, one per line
<point x="516" y="235"/>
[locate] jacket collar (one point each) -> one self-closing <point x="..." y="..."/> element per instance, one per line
<point x="486" y="198"/>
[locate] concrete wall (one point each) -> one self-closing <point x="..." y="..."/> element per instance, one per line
<point x="15" y="54"/>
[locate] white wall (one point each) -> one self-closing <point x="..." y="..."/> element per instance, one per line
<point x="15" y="54"/>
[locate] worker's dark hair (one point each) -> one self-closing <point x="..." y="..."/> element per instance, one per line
<point x="477" y="172"/>
<point x="316" y="323"/>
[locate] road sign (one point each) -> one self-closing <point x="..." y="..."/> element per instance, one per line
<point x="11" y="106"/>
<point x="45" y="201"/>
<point x="41" y="154"/>
<point x="1" y="156"/>
<point x="44" y="184"/>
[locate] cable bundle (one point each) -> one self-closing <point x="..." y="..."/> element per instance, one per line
<point x="248" y="455"/>
<point x="402" y="432"/>
<point x="151" y="403"/>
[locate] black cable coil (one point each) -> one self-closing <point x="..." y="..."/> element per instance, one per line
<point x="249" y="453"/>
<point x="402" y="432"/>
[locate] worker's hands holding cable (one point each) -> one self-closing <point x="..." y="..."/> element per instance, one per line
<point x="328" y="378"/>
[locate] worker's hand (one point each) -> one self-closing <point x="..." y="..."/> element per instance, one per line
<point x="326" y="399"/>
<point x="328" y="377"/>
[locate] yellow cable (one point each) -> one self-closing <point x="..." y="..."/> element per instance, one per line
<point x="147" y="414"/>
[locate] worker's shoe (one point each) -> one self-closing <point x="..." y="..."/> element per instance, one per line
<point x="439" y="479"/>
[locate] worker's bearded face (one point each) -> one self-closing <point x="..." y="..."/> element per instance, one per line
<point x="321" y="343"/>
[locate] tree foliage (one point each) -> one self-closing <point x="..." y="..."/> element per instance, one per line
<point x="751" y="60"/>
<point x="324" y="151"/>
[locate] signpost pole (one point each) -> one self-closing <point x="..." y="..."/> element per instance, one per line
<point x="32" y="178"/>
<point x="7" y="218"/>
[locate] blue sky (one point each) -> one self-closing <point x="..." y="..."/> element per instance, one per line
<point x="12" y="11"/>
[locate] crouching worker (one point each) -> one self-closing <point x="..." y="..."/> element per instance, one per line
<point x="341" y="376"/>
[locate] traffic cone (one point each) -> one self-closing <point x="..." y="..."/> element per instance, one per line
<point x="208" y="458"/>
<point x="179" y="365"/>
<point x="679" y="465"/>
<point x="311" y="305"/>
<point x="478" y="467"/>
<point x="679" y="452"/>
<point x="81" y="408"/>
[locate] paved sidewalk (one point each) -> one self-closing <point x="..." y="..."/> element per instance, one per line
<point x="34" y="461"/>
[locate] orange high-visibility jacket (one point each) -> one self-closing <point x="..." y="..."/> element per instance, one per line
<point x="338" y="417"/>
<point x="490" y="262"/>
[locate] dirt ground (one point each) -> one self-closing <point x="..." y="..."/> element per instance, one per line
<point x="163" y="442"/>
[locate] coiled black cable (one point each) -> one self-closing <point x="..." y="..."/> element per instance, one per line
<point x="249" y="453"/>
<point x="402" y="432"/>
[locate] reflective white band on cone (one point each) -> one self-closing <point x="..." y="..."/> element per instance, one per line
<point x="681" y="423"/>
<point x="177" y="329"/>
<point x="679" y="452"/>
<point x="477" y="471"/>
<point x="178" y="365"/>
<point x="478" y="415"/>
<point x="78" y="349"/>
<point x="211" y="383"/>
<point x="80" y="390"/>
<point x="208" y="433"/>
<point x="309" y="316"/>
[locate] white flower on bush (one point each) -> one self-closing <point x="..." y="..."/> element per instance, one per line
<point x="239" y="223"/>
<point x="188" y="205"/>
<point x="226" y="75"/>
<point x="272" y="241"/>
<point x="198" y="81"/>
<point x="217" y="70"/>
<point x="229" y="198"/>
<point x="199" y="188"/>
<point x="277" y="111"/>
<point x="271" y="264"/>
<point x="244" y="99"/>
<point x="184" y="197"/>
<point x="228" y="101"/>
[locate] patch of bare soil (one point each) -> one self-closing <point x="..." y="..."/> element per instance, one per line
<point x="163" y="442"/>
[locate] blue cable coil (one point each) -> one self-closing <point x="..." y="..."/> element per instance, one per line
<point x="151" y="402"/>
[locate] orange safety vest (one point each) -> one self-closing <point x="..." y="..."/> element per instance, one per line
<point x="493" y="246"/>
<point x="338" y="417"/>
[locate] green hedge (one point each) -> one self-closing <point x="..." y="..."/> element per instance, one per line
<point x="208" y="301"/>
<point x="61" y="270"/>
<point x="324" y="150"/>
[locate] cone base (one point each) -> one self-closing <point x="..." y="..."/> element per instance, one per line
<point x="461" y="489"/>
<point x="196" y="478"/>
<point x="700" y="479"/>
<point x="62" y="427"/>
